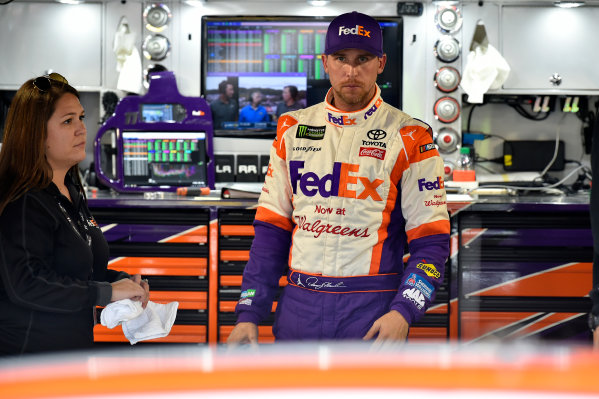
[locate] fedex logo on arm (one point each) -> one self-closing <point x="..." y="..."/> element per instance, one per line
<point x="431" y="185"/>
<point x="334" y="183"/>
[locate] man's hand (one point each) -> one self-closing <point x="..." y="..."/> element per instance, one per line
<point x="243" y="334"/>
<point x="391" y="327"/>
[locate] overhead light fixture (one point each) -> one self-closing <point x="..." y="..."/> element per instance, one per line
<point x="319" y="3"/>
<point x="195" y="3"/>
<point x="568" y="4"/>
<point x="71" y="1"/>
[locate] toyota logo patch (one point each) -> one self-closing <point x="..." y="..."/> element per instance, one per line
<point x="376" y="134"/>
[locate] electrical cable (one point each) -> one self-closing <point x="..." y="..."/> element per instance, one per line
<point x="495" y="160"/>
<point x="526" y="188"/>
<point x="525" y="114"/>
<point x="555" y="152"/>
<point x="470" y="118"/>
<point x="489" y="135"/>
<point x="485" y="168"/>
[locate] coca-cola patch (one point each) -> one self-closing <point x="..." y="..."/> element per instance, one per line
<point x="373" y="152"/>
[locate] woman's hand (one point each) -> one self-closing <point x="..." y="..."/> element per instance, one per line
<point x="144" y="284"/>
<point x="127" y="289"/>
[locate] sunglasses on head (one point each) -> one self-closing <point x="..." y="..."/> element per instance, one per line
<point x="43" y="83"/>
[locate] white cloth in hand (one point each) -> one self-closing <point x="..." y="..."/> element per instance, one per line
<point x="155" y="321"/>
<point x="116" y="312"/>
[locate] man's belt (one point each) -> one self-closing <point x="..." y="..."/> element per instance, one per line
<point x="346" y="284"/>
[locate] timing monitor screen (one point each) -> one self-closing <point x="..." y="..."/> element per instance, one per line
<point x="235" y="47"/>
<point x="164" y="158"/>
<point x="261" y="99"/>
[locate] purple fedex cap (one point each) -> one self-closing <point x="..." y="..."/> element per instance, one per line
<point x="354" y="30"/>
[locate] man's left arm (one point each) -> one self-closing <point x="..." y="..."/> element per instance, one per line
<point x="424" y="208"/>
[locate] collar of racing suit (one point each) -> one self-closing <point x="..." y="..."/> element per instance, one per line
<point x="341" y="118"/>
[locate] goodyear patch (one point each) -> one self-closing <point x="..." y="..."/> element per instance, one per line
<point x="429" y="269"/>
<point x="424" y="286"/>
<point x="310" y="132"/>
<point x="246" y="301"/>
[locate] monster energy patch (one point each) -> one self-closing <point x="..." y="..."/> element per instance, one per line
<point x="310" y="132"/>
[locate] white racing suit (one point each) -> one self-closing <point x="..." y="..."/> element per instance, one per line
<point x="343" y="193"/>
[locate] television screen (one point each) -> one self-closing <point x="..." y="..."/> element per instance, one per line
<point x="273" y="56"/>
<point x="164" y="158"/>
<point x="269" y="86"/>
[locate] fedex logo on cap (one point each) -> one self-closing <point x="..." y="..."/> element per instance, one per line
<point x="333" y="184"/>
<point x="357" y="30"/>
<point x="431" y="185"/>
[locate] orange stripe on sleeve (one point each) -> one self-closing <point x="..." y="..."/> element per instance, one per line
<point x="401" y="165"/>
<point x="280" y="148"/>
<point x="429" y="229"/>
<point x="284" y="123"/>
<point x="418" y="143"/>
<point x="266" y="215"/>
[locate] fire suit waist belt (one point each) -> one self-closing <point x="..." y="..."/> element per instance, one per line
<point x="345" y="284"/>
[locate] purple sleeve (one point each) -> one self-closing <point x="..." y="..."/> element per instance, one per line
<point x="269" y="257"/>
<point x="422" y="276"/>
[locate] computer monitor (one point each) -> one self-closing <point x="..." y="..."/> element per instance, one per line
<point x="280" y="49"/>
<point x="164" y="158"/>
<point x="156" y="142"/>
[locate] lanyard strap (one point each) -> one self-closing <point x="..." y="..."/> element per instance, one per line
<point x="87" y="238"/>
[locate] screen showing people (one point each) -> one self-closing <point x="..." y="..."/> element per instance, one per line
<point x="253" y="101"/>
<point x="152" y="113"/>
<point x="273" y="64"/>
<point x="157" y="113"/>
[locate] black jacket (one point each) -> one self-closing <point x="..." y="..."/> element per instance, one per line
<point x="52" y="271"/>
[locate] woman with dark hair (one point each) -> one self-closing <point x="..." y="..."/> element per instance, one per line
<point x="53" y="255"/>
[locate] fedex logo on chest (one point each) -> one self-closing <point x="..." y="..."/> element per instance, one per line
<point x="342" y="120"/>
<point x="333" y="184"/>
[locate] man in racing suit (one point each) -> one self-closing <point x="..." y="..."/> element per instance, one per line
<point x="350" y="181"/>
